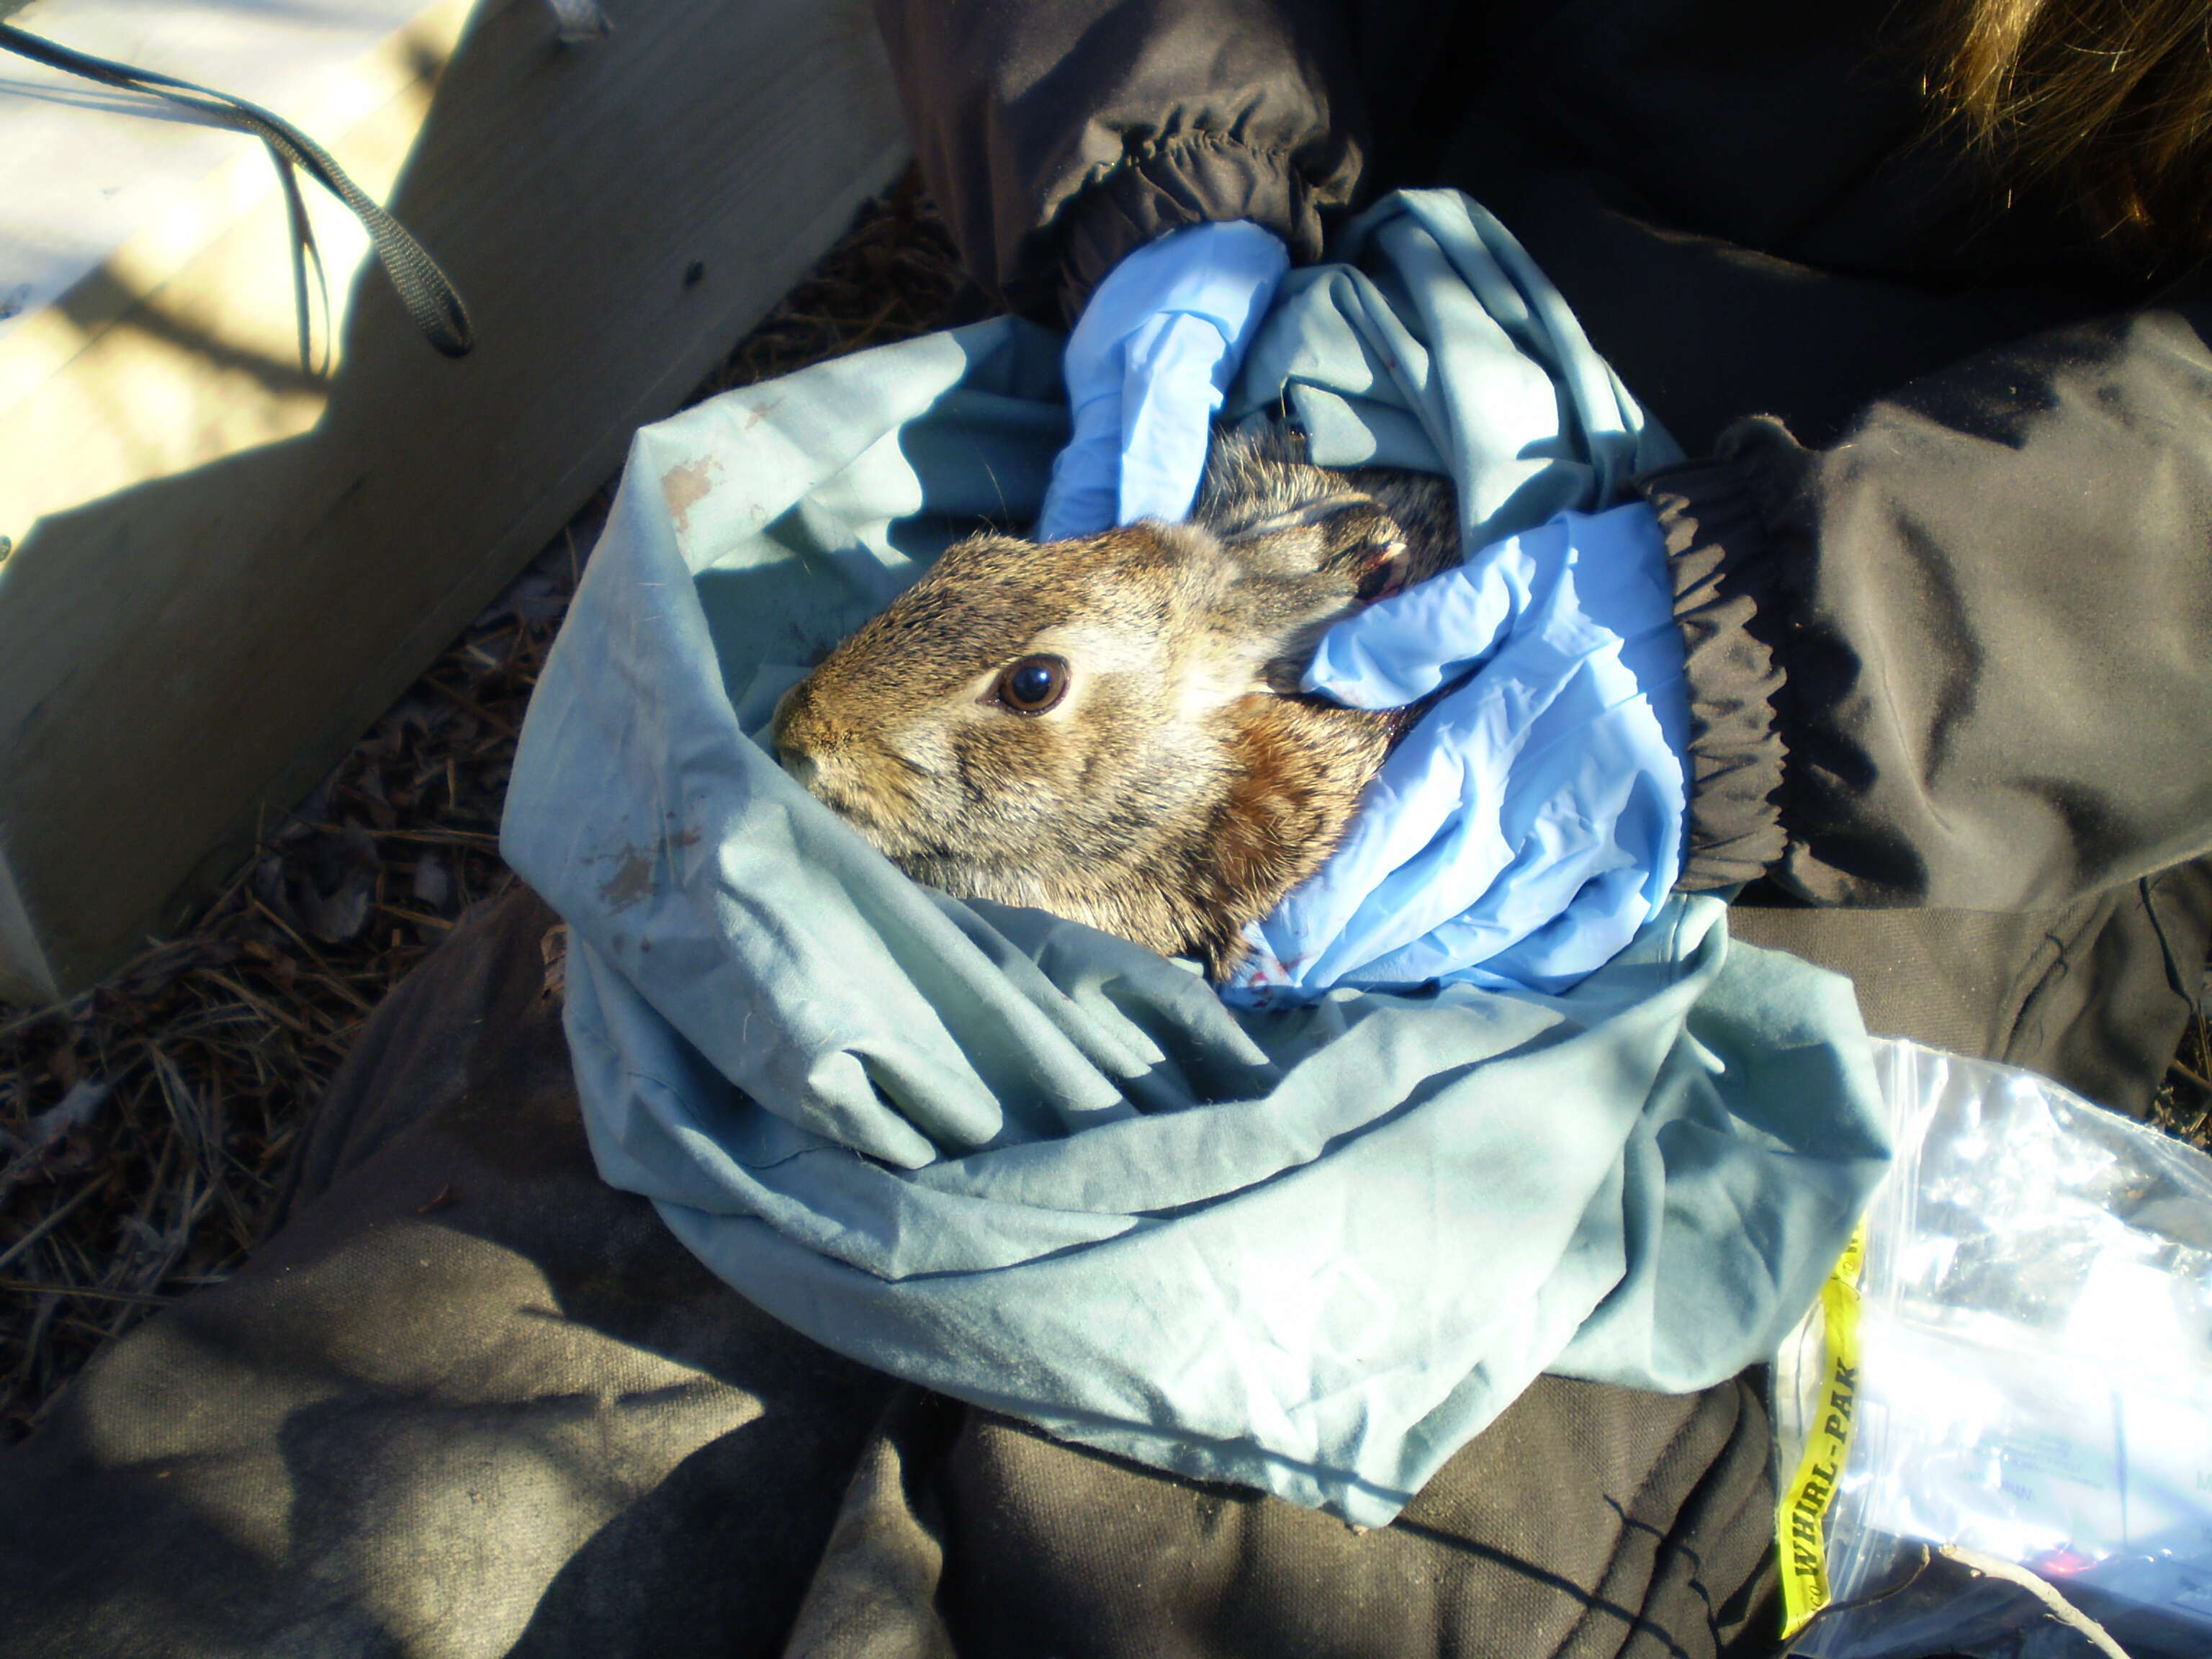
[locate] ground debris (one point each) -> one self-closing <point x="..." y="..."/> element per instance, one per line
<point x="146" y="1124"/>
<point x="2182" y="1108"/>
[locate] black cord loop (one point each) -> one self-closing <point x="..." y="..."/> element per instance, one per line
<point x="425" y="290"/>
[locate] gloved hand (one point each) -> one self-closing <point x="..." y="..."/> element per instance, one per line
<point x="1533" y="820"/>
<point x="1147" y="368"/>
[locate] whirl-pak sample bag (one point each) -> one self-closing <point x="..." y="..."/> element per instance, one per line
<point x="2012" y="1364"/>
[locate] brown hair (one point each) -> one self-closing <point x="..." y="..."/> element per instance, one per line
<point x="2111" y="99"/>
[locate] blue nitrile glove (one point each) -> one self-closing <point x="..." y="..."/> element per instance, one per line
<point x="1146" y="368"/>
<point x="1533" y="820"/>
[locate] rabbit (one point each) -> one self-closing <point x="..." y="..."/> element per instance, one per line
<point x="1110" y="727"/>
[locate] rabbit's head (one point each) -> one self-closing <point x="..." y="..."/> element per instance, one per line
<point x="1110" y="728"/>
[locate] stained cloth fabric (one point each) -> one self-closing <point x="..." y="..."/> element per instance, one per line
<point x="1043" y="1171"/>
<point x="472" y="1401"/>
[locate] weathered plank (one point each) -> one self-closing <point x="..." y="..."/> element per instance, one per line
<point x="224" y="568"/>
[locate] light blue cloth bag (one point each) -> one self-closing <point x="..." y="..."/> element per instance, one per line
<point x="1045" y="1170"/>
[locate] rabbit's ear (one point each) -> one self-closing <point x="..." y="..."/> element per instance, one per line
<point x="1308" y="515"/>
<point x="1355" y="542"/>
<point x="1367" y="546"/>
<point x="1347" y="536"/>
<point x="1295" y="581"/>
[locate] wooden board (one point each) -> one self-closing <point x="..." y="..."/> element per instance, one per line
<point x="223" y="569"/>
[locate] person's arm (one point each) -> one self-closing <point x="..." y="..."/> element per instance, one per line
<point x="1962" y="657"/>
<point x="1059" y="136"/>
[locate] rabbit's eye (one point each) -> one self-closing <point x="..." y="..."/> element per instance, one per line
<point x="1033" y="684"/>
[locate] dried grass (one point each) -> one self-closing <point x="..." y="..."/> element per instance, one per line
<point x="145" y="1125"/>
<point x="2184" y="1106"/>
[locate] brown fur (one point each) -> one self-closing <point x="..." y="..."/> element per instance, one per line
<point x="1183" y="786"/>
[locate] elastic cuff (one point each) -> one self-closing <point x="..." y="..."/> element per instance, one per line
<point x="1725" y="524"/>
<point x="1194" y="178"/>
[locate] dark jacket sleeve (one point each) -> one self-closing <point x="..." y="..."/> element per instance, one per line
<point x="1059" y="135"/>
<point x="1962" y="657"/>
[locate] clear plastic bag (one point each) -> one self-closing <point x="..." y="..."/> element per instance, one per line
<point x="2023" y="1379"/>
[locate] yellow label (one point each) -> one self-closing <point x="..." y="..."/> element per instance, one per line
<point x="1802" y="1523"/>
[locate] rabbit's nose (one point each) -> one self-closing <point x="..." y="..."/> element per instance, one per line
<point x="801" y="765"/>
<point x="788" y="729"/>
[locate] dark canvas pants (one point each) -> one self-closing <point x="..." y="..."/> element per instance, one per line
<point x="471" y="1402"/>
<point x="2096" y="995"/>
